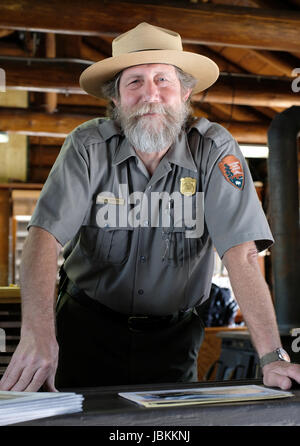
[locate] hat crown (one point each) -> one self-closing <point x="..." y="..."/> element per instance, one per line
<point x="146" y="37"/>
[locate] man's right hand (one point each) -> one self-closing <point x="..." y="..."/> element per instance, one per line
<point x="32" y="366"/>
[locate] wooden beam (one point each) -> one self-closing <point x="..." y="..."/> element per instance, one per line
<point x="83" y="100"/>
<point x="13" y="155"/>
<point x="63" y="78"/>
<point x="282" y="66"/>
<point x="272" y="4"/>
<point x="45" y="141"/>
<point x="42" y="124"/>
<point x="19" y="185"/>
<point x="44" y="156"/>
<point x="4" y="235"/>
<point x="250" y="91"/>
<point x="5" y="32"/>
<point x="231" y="25"/>
<point x="50" y="96"/>
<point x="43" y="75"/>
<point x="39" y="124"/>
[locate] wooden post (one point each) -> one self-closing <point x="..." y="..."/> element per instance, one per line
<point x="4" y="235"/>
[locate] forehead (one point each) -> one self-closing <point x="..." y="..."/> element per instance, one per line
<point x="147" y="69"/>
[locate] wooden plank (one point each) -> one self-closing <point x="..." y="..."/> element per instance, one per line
<point x="14" y="98"/>
<point x="40" y="124"/>
<point x="43" y="156"/>
<point x="232" y="25"/>
<point x="251" y="91"/>
<point x="42" y="76"/>
<point x="24" y="201"/>
<point x="13" y="155"/>
<point x="11" y="186"/>
<point x="4" y="235"/>
<point x="10" y="294"/>
<point x="32" y="123"/>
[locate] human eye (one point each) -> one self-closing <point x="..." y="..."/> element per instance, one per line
<point x="133" y="82"/>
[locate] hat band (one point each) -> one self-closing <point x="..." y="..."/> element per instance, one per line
<point x="148" y="49"/>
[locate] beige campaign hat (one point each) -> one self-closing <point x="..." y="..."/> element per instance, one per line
<point x="148" y="44"/>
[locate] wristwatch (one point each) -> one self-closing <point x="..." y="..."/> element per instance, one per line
<point x="277" y="355"/>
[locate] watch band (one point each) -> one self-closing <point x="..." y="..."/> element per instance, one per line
<point x="277" y="355"/>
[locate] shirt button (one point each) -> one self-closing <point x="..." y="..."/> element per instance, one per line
<point x="146" y="223"/>
<point x="143" y="259"/>
<point x="140" y="291"/>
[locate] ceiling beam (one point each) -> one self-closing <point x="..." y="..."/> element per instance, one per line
<point x="39" y="124"/>
<point x="62" y="77"/>
<point x="251" y="91"/>
<point x="222" y="25"/>
<point x="56" y="124"/>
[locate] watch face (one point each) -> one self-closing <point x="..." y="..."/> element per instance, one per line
<point x="283" y="355"/>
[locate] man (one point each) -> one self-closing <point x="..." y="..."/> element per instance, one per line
<point x="138" y="203"/>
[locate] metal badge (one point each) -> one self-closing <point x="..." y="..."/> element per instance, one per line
<point x="188" y="186"/>
<point x="109" y="200"/>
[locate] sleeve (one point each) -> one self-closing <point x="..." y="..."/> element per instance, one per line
<point x="65" y="197"/>
<point x="233" y="212"/>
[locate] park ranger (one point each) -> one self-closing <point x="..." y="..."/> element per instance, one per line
<point x="139" y="202"/>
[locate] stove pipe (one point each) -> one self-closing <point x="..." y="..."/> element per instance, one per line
<point x="284" y="206"/>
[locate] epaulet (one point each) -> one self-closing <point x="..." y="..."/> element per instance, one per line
<point x="96" y="130"/>
<point x="211" y="130"/>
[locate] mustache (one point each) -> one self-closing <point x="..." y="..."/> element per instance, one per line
<point x="144" y="109"/>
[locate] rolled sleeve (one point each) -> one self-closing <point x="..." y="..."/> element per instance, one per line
<point x="233" y="216"/>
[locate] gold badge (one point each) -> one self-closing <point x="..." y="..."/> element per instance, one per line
<point x="188" y="186"/>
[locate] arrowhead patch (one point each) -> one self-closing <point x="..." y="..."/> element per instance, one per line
<point x="232" y="170"/>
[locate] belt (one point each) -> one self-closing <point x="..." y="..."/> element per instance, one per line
<point x="135" y="322"/>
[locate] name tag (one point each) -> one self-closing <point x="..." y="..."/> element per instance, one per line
<point x="101" y="199"/>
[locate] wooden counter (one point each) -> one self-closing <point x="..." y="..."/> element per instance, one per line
<point x="103" y="407"/>
<point x="10" y="294"/>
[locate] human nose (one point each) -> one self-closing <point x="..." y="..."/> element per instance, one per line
<point x="150" y="93"/>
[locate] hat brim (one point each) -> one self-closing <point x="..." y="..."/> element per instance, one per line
<point x="201" y="67"/>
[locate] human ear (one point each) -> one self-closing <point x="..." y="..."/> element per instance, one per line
<point x="186" y="94"/>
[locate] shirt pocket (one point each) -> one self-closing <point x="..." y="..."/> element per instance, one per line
<point x="106" y="245"/>
<point x="179" y="249"/>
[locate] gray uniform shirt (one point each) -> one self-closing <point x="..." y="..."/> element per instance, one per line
<point x="144" y="244"/>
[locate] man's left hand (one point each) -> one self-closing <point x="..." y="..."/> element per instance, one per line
<point x="280" y="374"/>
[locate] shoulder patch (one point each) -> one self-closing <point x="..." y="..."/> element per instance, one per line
<point x="232" y="171"/>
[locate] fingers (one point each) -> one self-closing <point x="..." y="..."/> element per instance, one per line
<point x="277" y="380"/>
<point x="39" y="380"/>
<point x="28" y="379"/>
<point x="10" y="377"/>
<point x="280" y="374"/>
<point x="50" y="384"/>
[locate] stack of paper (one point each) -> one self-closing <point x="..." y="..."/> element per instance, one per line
<point x="16" y="407"/>
<point x="205" y="395"/>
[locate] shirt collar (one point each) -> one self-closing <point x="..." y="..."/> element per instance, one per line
<point x="123" y="152"/>
<point x="108" y="128"/>
<point x="180" y="153"/>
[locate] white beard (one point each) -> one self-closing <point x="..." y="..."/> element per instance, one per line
<point x="150" y="134"/>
